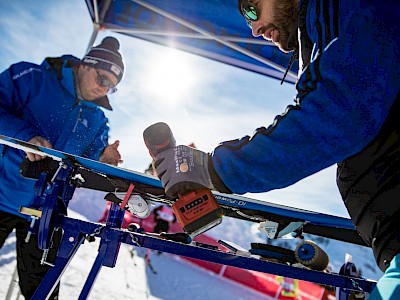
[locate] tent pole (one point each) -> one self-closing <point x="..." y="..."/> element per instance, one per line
<point x="93" y="37"/>
<point x="98" y="19"/>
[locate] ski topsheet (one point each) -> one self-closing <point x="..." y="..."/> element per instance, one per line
<point x="108" y="178"/>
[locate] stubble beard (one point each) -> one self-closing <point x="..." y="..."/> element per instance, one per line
<point x="81" y="85"/>
<point x="285" y="15"/>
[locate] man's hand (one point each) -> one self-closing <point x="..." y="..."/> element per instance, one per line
<point x="40" y="141"/>
<point x="111" y="155"/>
<point x="183" y="169"/>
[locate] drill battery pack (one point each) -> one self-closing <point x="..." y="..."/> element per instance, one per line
<point x="197" y="211"/>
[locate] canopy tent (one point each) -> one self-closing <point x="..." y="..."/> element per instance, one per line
<point x="210" y="28"/>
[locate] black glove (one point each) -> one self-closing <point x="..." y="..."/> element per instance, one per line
<point x="183" y="169"/>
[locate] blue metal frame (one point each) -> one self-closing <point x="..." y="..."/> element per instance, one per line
<point x="55" y="193"/>
<point x="75" y="230"/>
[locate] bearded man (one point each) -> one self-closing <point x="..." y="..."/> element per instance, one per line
<point x="346" y="113"/>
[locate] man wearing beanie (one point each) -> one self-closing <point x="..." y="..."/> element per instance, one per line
<point x="58" y="104"/>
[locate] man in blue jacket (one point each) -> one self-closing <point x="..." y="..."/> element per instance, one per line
<point x="346" y="113"/>
<point x="57" y="104"/>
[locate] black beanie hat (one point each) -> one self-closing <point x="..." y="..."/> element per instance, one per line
<point x="106" y="56"/>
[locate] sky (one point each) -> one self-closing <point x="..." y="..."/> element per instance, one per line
<point x="204" y="102"/>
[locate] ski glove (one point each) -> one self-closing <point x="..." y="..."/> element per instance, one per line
<point x="183" y="169"/>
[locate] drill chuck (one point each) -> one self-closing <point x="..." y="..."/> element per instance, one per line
<point x="158" y="138"/>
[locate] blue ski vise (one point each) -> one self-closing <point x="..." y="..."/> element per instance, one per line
<point x="54" y="193"/>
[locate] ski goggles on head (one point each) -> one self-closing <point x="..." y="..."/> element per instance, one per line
<point x="248" y="11"/>
<point x="103" y="81"/>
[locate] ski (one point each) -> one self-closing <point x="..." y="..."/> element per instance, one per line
<point x="275" y="220"/>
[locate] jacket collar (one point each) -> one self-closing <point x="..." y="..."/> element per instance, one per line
<point x="63" y="66"/>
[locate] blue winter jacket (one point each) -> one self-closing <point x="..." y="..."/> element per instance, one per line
<point x="344" y="97"/>
<point x="345" y="107"/>
<point x="41" y="100"/>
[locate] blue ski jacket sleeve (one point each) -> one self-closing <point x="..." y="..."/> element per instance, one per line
<point x="344" y="96"/>
<point x="14" y="95"/>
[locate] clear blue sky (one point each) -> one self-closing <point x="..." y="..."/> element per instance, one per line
<point x="204" y="102"/>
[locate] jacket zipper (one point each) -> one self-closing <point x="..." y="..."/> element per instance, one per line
<point x="79" y="119"/>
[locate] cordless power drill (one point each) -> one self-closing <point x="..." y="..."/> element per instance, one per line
<point x="196" y="210"/>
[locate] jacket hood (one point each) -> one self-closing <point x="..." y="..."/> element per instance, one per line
<point x="56" y="63"/>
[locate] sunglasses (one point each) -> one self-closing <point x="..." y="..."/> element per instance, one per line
<point x="249" y="12"/>
<point x="103" y="81"/>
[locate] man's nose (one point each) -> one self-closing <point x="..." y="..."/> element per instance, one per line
<point x="103" y="89"/>
<point x="256" y="28"/>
